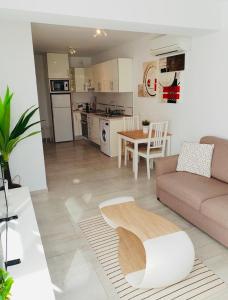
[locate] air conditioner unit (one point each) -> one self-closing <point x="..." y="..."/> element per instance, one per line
<point x="166" y="46"/>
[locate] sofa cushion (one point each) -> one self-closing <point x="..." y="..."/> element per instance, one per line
<point x="190" y="188"/>
<point x="216" y="209"/>
<point x="219" y="167"/>
<point x="195" y="158"/>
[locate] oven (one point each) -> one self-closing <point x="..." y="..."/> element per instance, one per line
<point x="84" y="123"/>
<point x="59" y="86"/>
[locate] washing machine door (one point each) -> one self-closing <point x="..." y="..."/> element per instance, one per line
<point x="105" y="133"/>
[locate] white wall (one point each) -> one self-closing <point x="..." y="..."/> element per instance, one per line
<point x="204" y="107"/>
<point x="139" y="15"/>
<point x="206" y="91"/>
<point x="17" y="70"/>
<point x="43" y="95"/>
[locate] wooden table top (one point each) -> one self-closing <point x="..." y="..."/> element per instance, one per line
<point x="143" y="223"/>
<point x="136" y="134"/>
<point x="134" y="226"/>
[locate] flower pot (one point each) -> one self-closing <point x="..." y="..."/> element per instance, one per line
<point x="7" y="176"/>
<point x="146" y="129"/>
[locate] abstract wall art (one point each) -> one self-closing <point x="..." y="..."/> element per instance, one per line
<point x="169" y="87"/>
<point x="162" y="77"/>
<point x="170" y="78"/>
<point x="149" y="86"/>
<point x="172" y="63"/>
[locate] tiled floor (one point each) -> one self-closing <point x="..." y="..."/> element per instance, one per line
<point x="79" y="178"/>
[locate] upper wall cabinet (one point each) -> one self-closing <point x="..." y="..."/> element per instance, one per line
<point x="125" y="75"/>
<point x="58" y="65"/>
<point x="83" y="79"/>
<point x="113" y="76"/>
<point x="79" y="77"/>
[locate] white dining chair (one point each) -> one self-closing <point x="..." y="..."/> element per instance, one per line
<point x="130" y="123"/>
<point x="155" y="145"/>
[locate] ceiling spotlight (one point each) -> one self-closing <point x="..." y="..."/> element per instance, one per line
<point x="100" y="33"/>
<point x="72" y="51"/>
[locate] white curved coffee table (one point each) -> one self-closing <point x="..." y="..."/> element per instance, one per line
<point x="153" y="252"/>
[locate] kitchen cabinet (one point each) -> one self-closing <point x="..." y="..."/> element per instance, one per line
<point x="58" y="66"/>
<point x="125" y="75"/>
<point x="72" y="80"/>
<point x="89" y="78"/>
<point x="102" y="75"/>
<point x="113" y="76"/>
<point x="79" y="77"/>
<point x="83" y="79"/>
<point x="94" y="128"/>
<point x="97" y="77"/>
<point x="110" y="76"/>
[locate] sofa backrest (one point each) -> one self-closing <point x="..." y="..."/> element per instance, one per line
<point x="219" y="167"/>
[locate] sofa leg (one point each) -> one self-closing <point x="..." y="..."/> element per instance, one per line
<point x="158" y="198"/>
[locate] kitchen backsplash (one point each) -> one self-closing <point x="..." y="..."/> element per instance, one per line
<point x="115" y="101"/>
<point x="106" y="100"/>
<point x="81" y="98"/>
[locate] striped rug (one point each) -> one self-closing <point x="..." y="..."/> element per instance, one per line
<point x="200" y="284"/>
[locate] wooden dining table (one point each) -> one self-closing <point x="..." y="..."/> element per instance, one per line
<point x="137" y="137"/>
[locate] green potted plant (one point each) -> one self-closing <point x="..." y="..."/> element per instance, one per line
<point x="6" y="283"/>
<point x="145" y="125"/>
<point x="9" y="138"/>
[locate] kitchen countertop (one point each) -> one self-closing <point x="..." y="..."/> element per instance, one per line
<point x="102" y="115"/>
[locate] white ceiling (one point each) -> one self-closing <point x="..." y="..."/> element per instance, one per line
<point x="57" y="38"/>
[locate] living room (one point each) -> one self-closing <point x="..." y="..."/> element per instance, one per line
<point x="73" y="196"/>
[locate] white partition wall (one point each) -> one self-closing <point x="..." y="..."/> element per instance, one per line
<point x="18" y="71"/>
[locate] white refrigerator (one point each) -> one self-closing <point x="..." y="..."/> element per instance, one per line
<point x="62" y="117"/>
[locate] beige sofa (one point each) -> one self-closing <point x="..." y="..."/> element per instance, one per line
<point x="202" y="201"/>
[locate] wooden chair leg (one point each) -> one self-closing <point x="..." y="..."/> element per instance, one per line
<point x="148" y="168"/>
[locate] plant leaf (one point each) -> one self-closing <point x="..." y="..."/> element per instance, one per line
<point x="20" y="121"/>
<point x="8" y="141"/>
<point x="30" y="134"/>
<point x="11" y="144"/>
<point x="28" y="117"/>
<point x="5" y="284"/>
<point x="26" y="128"/>
<point x="5" y="114"/>
<point x="21" y="124"/>
<point x="15" y="141"/>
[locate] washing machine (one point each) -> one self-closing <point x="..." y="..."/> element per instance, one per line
<point x="105" y="136"/>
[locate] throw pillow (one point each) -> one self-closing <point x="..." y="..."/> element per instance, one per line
<point x="196" y="158"/>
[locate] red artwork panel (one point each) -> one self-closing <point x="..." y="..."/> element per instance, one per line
<point x="171" y="96"/>
<point x="171" y="92"/>
<point x="170" y="89"/>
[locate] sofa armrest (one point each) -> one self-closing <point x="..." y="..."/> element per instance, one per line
<point x="166" y="165"/>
